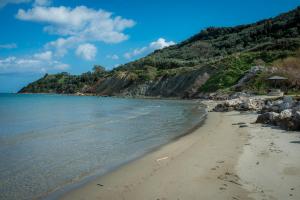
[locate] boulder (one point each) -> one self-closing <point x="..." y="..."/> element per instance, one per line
<point x="297" y="115"/>
<point x="288" y="99"/>
<point x="296" y="109"/>
<point x="250" y="104"/>
<point x="233" y="102"/>
<point x="275" y="108"/>
<point x="277" y="102"/>
<point x="284" y="106"/>
<point x="267" y="118"/>
<point x="285" y="114"/>
<point x="296" y="121"/>
<point x="223" y="108"/>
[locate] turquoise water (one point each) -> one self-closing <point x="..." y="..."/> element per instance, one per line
<point x="48" y="142"/>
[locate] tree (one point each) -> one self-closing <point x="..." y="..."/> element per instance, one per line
<point x="98" y="69"/>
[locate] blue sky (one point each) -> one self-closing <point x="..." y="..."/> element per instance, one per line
<point x="39" y="36"/>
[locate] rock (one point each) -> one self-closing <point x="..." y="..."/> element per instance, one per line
<point x="218" y="96"/>
<point x="289" y="121"/>
<point x="239" y="95"/>
<point x="297" y="115"/>
<point x="239" y="123"/>
<point x="275" y="108"/>
<point x="233" y="102"/>
<point x="296" y="121"/>
<point x="296" y="109"/>
<point x="222" y="108"/>
<point x="284" y="106"/>
<point x="79" y="94"/>
<point x="251" y="104"/>
<point x="287" y="103"/>
<point x="240" y="104"/>
<point x="248" y="76"/>
<point x="285" y="123"/>
<point x="277" y="102"/>
<point x="267" y="118"/>
<point x="288" y="99"/>
<point x="285" y="114"/>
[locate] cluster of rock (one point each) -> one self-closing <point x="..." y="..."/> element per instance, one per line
<point x="283" y="112"/>
<point x="222" y="96"/>
<point x="240" y="104"/>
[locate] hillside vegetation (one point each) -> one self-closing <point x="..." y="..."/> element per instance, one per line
<point x="214" y="59"/>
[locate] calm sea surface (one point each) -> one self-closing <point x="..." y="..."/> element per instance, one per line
<point x="48" y="142"/>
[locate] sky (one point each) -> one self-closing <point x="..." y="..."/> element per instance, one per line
<point x="51" y="36"/>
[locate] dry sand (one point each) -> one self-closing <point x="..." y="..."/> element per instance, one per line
<point x="217" y="161"/>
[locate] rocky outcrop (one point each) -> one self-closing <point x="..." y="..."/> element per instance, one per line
<point x="248" y="76"/>
<point x="283" y="112"/>
<point x="184" y="85"/>
<point x="267" y="118"/>
<point x="240" y="104"/>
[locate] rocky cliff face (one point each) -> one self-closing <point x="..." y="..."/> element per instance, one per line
<point x="184" y="85"/>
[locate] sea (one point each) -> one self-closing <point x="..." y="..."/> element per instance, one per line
<point x="52" y="143"/>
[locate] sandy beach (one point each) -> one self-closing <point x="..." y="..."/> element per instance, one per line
<point x="219" y="160"/>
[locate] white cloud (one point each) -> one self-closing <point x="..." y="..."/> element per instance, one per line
<point x="113" y="57"/>
<point x="8" y="46"/>
<point x="47" y="55"/>
<point x="3" y="3"/>
<point x="158" y="44"/>
<point x="36" y="63"/>
<point x="61" y="45"/>
<point x="86" y="51"/>
<point x="136" y="52"/>
<point x="77" y="25"/>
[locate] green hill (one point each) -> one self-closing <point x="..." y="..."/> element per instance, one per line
<point x="214" y="59"/>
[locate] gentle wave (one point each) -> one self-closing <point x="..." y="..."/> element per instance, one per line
<point x="48" y="142"/>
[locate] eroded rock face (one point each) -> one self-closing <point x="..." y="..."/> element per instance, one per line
<point x="248" y="76"/>
<point x="183" y="85"/>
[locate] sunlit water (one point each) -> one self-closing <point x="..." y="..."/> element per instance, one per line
<point x="50" y="141"/>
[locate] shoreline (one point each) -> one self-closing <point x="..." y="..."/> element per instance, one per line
<point x="150" y="165"/>
<point x="177" y="171"/>
<point x="69" y="188"/>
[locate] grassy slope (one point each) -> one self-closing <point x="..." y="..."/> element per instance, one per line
<point x="225" y="53"/>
